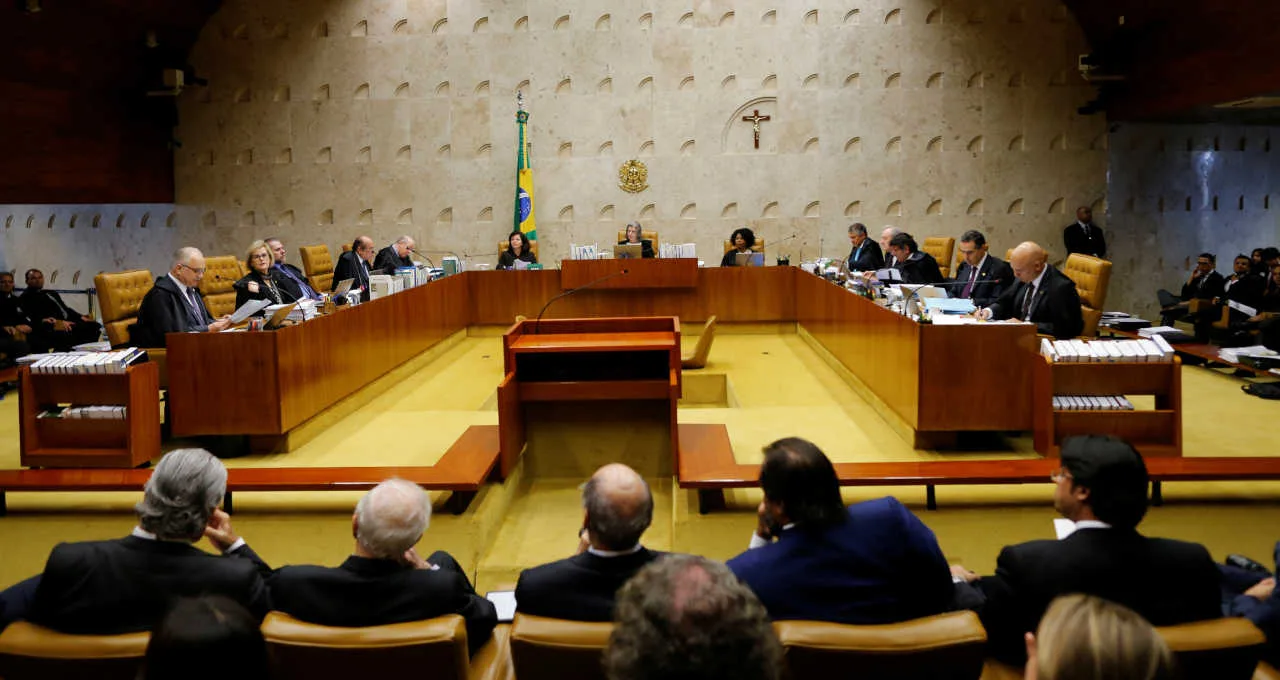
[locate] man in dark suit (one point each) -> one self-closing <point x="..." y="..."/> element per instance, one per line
<point x="617" y="509"/>
<point x="1102" y="488"/>
<point x="354" y="264"/>
<point x="886" y="235"/>
<point x="291" y="279"/>
<point x="384" y="581"/>
<point x="1083" y="236"/>
<point x="395" y="255"/>
<point x="174" y="303"/>
<point x="1204" y="284"/>
<point x="981" y="277"/>
<point x="1042" y="295"/>
<point x="813" y="559"/>
<point x="916" y="266"/>
<point x="125" y="585"/>
<point x="57" y="326"/>
<point x="865" y="255"/>
<point x="14" y="324"/>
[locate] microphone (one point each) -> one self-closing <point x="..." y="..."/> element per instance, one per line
<point x="415" y="251"/>
<point x="784" y="240"/>
<point x="537" y="324"/>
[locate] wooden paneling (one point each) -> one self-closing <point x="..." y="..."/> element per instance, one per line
<point x="58" y="442"/>
<point x="624" y="274"/>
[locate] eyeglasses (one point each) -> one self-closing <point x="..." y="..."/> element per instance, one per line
<point x="199" y="271"/>
<point x="263" y="256"/>
<point x="1059" y="475"/>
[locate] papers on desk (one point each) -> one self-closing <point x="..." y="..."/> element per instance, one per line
<point x="687" y="250"/>
<point x="247" y="310"/>
<point x="1232" y="354"/>
<point x="941" y="305"/>
<point x="889" y="274"/>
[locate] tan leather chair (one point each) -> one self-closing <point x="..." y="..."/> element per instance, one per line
<point x="698" y="357"/>
<point x="1218" y="649"/>
<point x="317" y="264"/>
<point x="1092" y="276"/>
<point x="119" y="298"/>
<point x="31" y="651"/>
<point x="949" y="645"/>
<point x="506" y="245"/>
<point x="942" y="249"/>
<point x="1266" y="671"/>
<point x="644" y="234"/>
<point x="217" y="286"/>
<point x="757" y="247"/>
<point x="554" y="649"/>
<point x="306" y="651"/>
<point x="1008" y="255"/>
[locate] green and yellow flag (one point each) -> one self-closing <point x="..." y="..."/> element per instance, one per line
<point x="524" y="181"/>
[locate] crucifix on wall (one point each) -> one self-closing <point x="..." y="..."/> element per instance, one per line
<point x="755" y="119"/>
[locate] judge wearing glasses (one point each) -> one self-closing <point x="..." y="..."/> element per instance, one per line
<point x="262" y="282"/>
<point x="174" y="305"/>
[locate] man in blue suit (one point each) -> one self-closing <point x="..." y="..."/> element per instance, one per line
<point x="813" y="559"/>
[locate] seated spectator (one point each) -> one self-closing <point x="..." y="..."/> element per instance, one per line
<point x="617" y="508"/>
<point x="15" y="327"/>
<point x="292" y="280"/>
<point x="1242" y="287"/>
<point x="198" y="631"/>
<point x="1082" y="637"/>
<point x="981" y="276"/>
<point x="1102" y="487"/>
<point x="174" y="303"/>
<point x="1249" y="591"/>
<point x="56" y="325"/>
<point x="384" y="580"/>
<point x="916" y="266"/>
<point x="685" y="616"/>
<point x="813" y="559"/>
<point x="125" y="585"/>
<point x="1204" y="284"/>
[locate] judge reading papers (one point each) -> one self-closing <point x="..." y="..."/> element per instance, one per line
<point x="1042" y="295"/>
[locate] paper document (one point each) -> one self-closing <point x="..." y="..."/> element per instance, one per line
<point x="889" y="274"/>
<point x="505" y="602"/>
<point x="949" y="305"/>
<point x="247" y="310"/>
<point x="1244" y="309"/>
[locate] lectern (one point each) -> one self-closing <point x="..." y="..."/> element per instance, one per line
<point x="569" y="361"/>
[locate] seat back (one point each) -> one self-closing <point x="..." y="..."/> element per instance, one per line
<point x="506" y="245"/>
<point x="1092" y="276"/>
<point x="949" y="645"/>
<point x="644" y="234"/>
<point x="306" y="651"/>
<point x="218" y="284"/>
<point x="119" y="297"/>
<point x="31" y="651"/>
<point x="941" y="248"/>
<point x="757" y="247"/>
<point x="555" y="649"/>
<point x="1218" y="649"/>
<point x="317" y="264"/>
<point x="700" y="351"/>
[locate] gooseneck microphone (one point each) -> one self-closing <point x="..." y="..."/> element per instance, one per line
<point x="419" y="253"/>
<point x="537" y="324"/>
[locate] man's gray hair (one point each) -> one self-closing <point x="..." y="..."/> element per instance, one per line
<point x="404" y="239"/>
<point x="392" y="517"/>
<point x="181" y="494"/>
<point x="183" y="255"/>
<point x="858" y="228"/>
<point x="614" y="529"/>
<point x="684" y="616"/>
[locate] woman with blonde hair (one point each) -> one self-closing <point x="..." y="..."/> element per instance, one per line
<point x="1083" y="637"/>
<point x="262" y="282"/>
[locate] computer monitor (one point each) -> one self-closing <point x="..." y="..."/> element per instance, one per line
<point x="749" y="259"/>
<point x="628" y="251"/>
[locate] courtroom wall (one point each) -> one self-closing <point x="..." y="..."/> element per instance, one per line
<point x="1178" y="190"/>
<point x="328" y="118"/>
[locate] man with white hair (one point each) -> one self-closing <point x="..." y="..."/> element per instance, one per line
<point x="384" y="580"/>
<point x="395" y="255"/>
<point x="174" y="304"/>
<point x="126" y="584"/>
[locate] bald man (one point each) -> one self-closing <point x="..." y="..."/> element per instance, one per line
<point x="174" y="303"/>
<point x="354" y="265"/>
<point x="1042" y="295"/>
<point x="617" y="508"/>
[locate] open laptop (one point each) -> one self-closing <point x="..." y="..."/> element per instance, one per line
<point x="749" y="259"/>
<point x="344" y="287"/>
<point x="278" y="318"/>
<point x="628" y="251"/>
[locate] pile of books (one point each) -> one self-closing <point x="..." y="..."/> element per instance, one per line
<point x="88" y="413"/>
<point x="1154" y="349"/>
<point x="71" y="363"/>
<point x="1066" y="402"/>
<point x="687" y="250"/>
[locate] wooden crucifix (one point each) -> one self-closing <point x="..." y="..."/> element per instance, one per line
<point x="755" y="119"/>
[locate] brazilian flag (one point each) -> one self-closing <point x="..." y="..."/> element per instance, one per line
<point x="524" y="183"/>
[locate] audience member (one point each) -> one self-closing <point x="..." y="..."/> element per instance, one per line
<point x="1248" y="590"/>
<point x="126" y="585"/>
<point x="742" y="239"/>
<point x="1204" y="284"/>
<point x="984" y="277"/>
<point x="15" y="327"/>
<point x="395" y="255"/>
<point x="1082" y="637"/>
<point x="1256" y="262"/>
<point x="1042" y="295"/>
<point x="813" y="559"/>
<point x="291" y="279"/>
<point x="1102" y="488"/>
<point x="916" y="266"/>
<point x="1083" y="236"/>
<point x="617" y="508"/>
<point x="865" y="254"/>
<point x="206" y="638"/>
<point x="634" y="234"/>
<point x="262" y="282"/>
<point x="518" y="248"/>
<point x="174" y="303"/>
<point x="685" y="617"/>
<point x="384" y="580"/>
<point x="354" y="265"/>
<point x="56" y="325"/>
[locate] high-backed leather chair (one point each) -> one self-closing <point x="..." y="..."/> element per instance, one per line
<point x="1218" y="649"/>
<point x="506" y="245"/>
<point x="217" y="286"/>
<point x="119" y="298"/>
<point x="698" y="357"/>
<point x="317" y="264"/>
<point x="28" y="651"/>
<point x="949" y="646"/>
<point x="554" y="649"/>
<point x="757" y="247"/>
<point x="1092" y="276"/>
<point x="644" y="234"/>
<point x="941" y="248"/>
<point x="306" y="651"/>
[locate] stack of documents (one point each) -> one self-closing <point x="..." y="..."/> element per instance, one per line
<point x="1157" y="330"/>
<point x="1083" y="402"/>
<point x="677" y="250"/>
<point x="1154" y="349"/>
<point x="89" y="413"/>
<point x="78" y="363"/>
<point x="937" y="305"/>
<point x="586" y="252"/>
<point x="1232" y="355"/>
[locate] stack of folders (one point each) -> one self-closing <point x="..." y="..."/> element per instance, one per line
<point x="1236" y="355"/>
<point x="82" y="363"/>
<point x="686" y="250"/>
<point x="1083" y="402"/>
<point x="305" y="310"/>
<point x="1154" y="349"/>
<point x="577" y="252"/>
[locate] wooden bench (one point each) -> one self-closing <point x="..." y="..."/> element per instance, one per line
<point x="707" y="464"/>
<point x="462" y="470"/>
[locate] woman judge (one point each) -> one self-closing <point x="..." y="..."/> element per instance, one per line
<point x="517" y="249"/>
<point x="261" y="282"/>
<point x="633" y="237"/>
<point x="742" y="240"/>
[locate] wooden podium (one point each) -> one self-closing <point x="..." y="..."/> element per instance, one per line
<point x="576" y="360"/>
